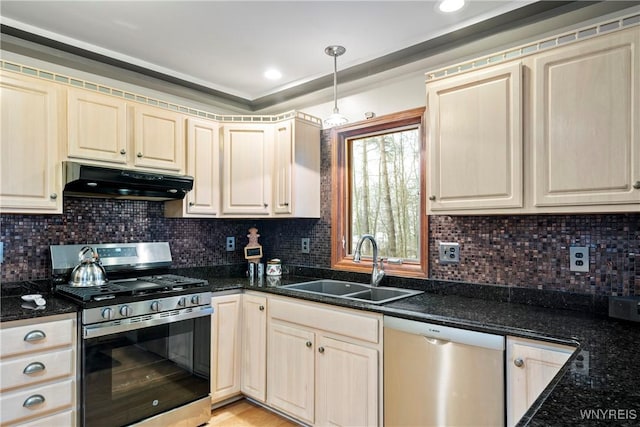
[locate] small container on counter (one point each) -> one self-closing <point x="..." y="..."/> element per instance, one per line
<point x="274" y="267"/>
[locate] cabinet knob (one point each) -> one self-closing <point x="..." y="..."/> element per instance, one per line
<point x="432" y="198"/>
<point x="261" y="308"/>
<point x="636" y="185"/>
<point x="139" y="154"/>
<point x="33" y="367"/>
<point x="286" y="204"/>
<point x="519" y="362"/>
<point x="266" y="205"/>
<point x="309" y="344"/>
<point x="321" y="349"/>
<point x="36" y="335"/>
<point x="123" y="151"/>
<point x="34" y="400"/>
<point x="191" y="203"/>
<point x="53" y="196"/>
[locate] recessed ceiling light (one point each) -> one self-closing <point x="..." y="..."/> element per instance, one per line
<point x="448" y="6"/>
<point x="272" y="74"/>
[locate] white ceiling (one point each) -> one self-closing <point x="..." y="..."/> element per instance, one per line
<point x="227" y="45"/>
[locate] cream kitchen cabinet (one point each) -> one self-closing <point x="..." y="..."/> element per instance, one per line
<point x="296" y="172"/>
<point x="203" y="164"/>
<point x="225" y="346"/>
<point x="531" y="365"/>
<point x="254" y="346"/>
<point x="271" y="169"/>
<point x="112" y="131"/>
<point x="97" y="127"/>
<point x="475" y="140"/>
<point x="246" y="169"/>
<point x="38" y="371"/>
<point x="323" y="363"/>
<point x="30" y="164"/>
<point x="577" y="149"/>
<point x="586" y="123"/>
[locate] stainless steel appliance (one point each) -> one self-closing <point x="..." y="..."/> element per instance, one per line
<point x="146" y="338"/>
<point x="440" y="376"/>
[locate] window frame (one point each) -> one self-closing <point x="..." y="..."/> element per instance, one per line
<point x="340" y="192"/>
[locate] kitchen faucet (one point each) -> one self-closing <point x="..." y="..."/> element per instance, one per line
<point x="376" y="274"/>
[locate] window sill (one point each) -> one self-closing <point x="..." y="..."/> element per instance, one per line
<point x="413" y="270"/>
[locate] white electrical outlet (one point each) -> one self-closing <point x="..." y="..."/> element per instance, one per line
<point x="231" y="244"/>
<point x="449" y="252"/>
<point x="305" y="249"/>
<point x="579" y="258"/>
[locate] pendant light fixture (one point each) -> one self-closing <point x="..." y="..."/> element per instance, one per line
<point x="335" y="119"/>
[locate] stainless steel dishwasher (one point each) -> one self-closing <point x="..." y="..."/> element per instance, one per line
<point x="440" y="376"/>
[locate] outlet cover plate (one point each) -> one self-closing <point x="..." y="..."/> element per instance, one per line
<point x="304" y="248"/>
<point x="449" y="252"/>
<point x="231" y="244"/>
<point x="579" y="258"/>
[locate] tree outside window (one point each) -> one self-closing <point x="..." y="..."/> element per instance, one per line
<point x="379" y="176"/>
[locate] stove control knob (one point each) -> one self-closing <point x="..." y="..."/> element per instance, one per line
<point x="107" y="313"/>
<point x="156" y="306"/>
<point x="182" y="302"/>
<point x="126" y="311"/>
<point x="195" y="300"/>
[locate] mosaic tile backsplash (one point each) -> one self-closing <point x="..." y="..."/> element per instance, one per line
<point x="529" y="251"/>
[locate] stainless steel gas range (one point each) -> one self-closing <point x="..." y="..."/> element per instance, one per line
<point x="146" y="337"/>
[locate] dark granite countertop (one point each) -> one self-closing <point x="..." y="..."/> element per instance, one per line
<point x="607" y="382"/>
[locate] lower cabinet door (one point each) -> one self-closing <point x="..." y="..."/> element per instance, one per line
<point x="225" y="347"/>
<point x="347" y="384"/>
<point x="291" y="371"/>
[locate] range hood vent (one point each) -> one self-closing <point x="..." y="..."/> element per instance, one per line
<point x="83" y="180"/>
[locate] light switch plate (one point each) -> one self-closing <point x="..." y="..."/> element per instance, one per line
<point x="449" y="252"/>
<point x="579" y="258"/>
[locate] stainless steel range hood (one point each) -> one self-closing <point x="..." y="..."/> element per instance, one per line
<point x="82" y="180"/>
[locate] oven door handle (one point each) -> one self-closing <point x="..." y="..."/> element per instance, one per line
<point x="130" y="324"/>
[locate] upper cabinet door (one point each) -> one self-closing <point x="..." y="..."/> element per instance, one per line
<point x="246" y="187"/>
<point x="586" y="122"/>
<point x="475" y="140"/>
<point x="30" y="167"/>
<point x="97" y="126"/>
<point x="159" y="139"/>
<point x="283" y="162"/>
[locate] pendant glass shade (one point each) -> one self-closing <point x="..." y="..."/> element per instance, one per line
<point x="335" y="119"/>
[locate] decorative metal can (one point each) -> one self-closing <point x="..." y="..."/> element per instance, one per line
<point x="274" y="267"/>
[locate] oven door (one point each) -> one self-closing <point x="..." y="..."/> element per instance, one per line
<point x="134" y="374"/>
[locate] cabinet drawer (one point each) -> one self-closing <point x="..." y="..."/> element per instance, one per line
<point x="333" y="320"/>
<point x="36" y="368"/>
<point x="54" y="397"/>
<point x="24" y="339"/>
<point x="66" y="418"/>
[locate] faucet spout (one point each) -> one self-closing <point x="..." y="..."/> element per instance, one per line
<point x="378" y="272"/>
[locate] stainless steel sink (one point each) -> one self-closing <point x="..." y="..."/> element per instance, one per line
<point x="353" y="291"/>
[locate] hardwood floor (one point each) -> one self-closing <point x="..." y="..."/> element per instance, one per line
<point x="246" y="414"/>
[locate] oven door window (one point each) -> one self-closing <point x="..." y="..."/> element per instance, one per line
<point x="133" y="375"/>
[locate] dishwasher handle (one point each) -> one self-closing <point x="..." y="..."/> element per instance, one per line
<point x="443" y="334"/>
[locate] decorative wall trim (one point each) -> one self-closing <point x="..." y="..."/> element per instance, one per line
<point x="562" y="39"/>
<point x="130" y="96"/>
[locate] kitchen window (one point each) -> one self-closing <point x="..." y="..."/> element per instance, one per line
<point x="378" y="175"/>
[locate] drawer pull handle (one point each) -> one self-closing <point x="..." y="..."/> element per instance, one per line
<point x="35" y="336"/>
<point x="32" y="368"/>
<point x="34" y="400"/>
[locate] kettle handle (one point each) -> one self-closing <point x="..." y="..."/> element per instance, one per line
<point x="83" y="252"/>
